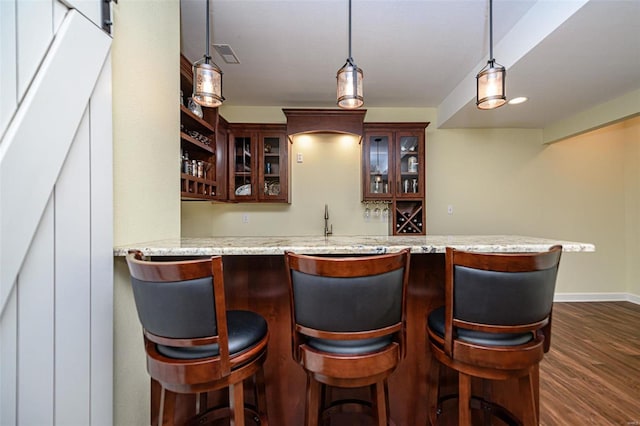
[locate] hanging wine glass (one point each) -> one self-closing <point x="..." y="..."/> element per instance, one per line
<point x="385" y="211"/>
<point x="367" y="211"/>
<point x="376" y="211"/>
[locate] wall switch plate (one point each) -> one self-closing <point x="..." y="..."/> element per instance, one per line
<point x="450" y="209"/>
<point x="299" y="157"/>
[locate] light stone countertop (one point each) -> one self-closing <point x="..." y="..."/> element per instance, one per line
<point x="347" y="245"/>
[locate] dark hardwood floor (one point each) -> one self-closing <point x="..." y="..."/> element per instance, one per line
<point x="591" y="375"/>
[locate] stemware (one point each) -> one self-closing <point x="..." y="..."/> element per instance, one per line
<point x="385" y="211"/>
<point x="376" y="211"/>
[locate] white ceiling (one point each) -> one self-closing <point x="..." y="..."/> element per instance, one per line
<point x="565" y="55"/>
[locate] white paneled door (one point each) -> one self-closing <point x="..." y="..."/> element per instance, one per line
<point x="56" y="220"/>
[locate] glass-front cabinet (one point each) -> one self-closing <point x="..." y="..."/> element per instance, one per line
<point x="273" y="169"/>
<point x="242" y="167"/>
<point x="378" y="179"/>
<point x="409" y="165"/>
<point x="393" y="159"/>
<point x="258" y="163"/>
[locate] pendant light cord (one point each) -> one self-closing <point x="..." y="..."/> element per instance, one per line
<point x="350" y="59"/>
<point x="206" y="55"/>
<point x="490" y="30"/>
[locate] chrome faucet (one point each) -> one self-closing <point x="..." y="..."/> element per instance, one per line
<point x="328" y="229"/>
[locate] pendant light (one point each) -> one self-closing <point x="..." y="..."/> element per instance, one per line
<point x="207" y="78"/>
<point x="490" y="92"/>
<point x="350" y="80"/>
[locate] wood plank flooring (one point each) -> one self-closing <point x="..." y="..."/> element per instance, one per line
<point x="591" y="375"/>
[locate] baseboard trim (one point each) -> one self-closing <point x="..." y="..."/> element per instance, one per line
<point x="597" y="297"/>
<point x="634" y="298"/>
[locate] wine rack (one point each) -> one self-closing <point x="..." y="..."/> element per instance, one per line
<point x="408" y="218"/>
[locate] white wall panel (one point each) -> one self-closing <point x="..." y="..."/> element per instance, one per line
<point x="56" y="101"/>
<point x="73" y="284"/>
<point x="8" y="82"/>
<point x="91" y="9"/>
<point x="35" y="327"/>
<point x="34" y="34"/>
<point x="59" y="12"/>
<point x="101" y="250"/>
<point x="8" y="361"/>
<point x="56" y="279"/>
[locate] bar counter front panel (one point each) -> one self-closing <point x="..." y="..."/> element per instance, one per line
<point x="255" y="279"/>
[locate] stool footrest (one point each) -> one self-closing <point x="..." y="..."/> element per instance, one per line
<point x="359" y="405"/>
<point x="477" y="403"/>
<point x="221" y="412"/>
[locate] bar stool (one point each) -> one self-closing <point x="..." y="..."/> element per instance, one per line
<point x="193" y="344"/>
<point x="347" y="326"/>
<point x="495" y="324"/>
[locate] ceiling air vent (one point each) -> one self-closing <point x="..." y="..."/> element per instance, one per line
<point x="227" y="53"/>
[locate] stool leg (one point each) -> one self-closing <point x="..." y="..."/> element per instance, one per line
<point x="433" y="391"/>
<point x="386" y="401"/>
<point x="261" y="396"/>
<point x="201" y="402"/>
<point x="167" y="408"/>
<point x="379" y="402"/>
<point x="529" y="405"/>
<point x="312" y="409"/>
<point x="464" y="390"/>
<point x="236" y="401"/>
<point x="487" y="395"/>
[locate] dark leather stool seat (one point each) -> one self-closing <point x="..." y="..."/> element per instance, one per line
<point x="245" y="328"/>
<point x="348" y="326"/>
<point x="193" y="344"/>
<point x="436" y="324"/>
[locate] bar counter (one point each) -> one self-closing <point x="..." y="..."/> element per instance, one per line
<point x="255" y="279"/>
<point x="347" y="245"/>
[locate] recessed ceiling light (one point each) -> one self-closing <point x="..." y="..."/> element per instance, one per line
<point x="518" y="100"/>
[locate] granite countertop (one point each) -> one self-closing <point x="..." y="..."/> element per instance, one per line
<point x="347" y="245"/>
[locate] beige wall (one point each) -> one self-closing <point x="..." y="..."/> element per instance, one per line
<point x="146" y="126"/>
<point x="499" y="181"/>
<point x="504" y="181"/>
<point x="617" y="109"/>
<point x="632" y="204"/>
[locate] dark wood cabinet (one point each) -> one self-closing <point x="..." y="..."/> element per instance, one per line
<point x="202" y="169"/>
<point x="258" y="163"/>
<point x="393" y="171"/>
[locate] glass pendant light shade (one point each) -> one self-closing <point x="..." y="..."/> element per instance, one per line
<point x="490" y="81"/>
<point x="207" y="77"/>
<point x="350" y="86"/>
<point x="207" y="84"/>
<point x="350" y="80"/>
<point x="491" y="86"/>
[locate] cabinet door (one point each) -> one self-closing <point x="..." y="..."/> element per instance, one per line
<point x="242" y="167"/>
<point x="378" y="172"/>
<point x="409" y="154"/>
<point x="273" y="168"/>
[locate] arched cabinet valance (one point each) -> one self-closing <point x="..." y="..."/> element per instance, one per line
<point x="324" y="121"/>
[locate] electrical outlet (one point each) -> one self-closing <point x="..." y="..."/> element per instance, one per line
<point x="450" y="209"/>
<point x="299" y="157"/>
<point x="245" y="218"/>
